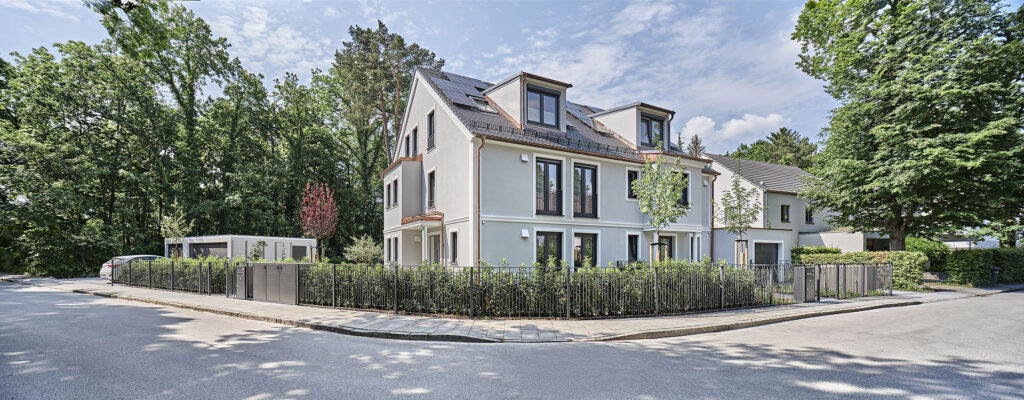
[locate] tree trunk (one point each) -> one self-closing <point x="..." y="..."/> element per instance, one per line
<point x="897" y="239"/>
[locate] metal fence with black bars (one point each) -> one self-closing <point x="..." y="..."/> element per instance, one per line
<point x="516" y="292"/>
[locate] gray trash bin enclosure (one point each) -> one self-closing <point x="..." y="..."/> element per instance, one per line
<point x="805" y="284"/>
<point x="275" y="282"/>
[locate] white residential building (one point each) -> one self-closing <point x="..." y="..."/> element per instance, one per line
<point x="514" y="172"/>
<point x="787" y="220"/>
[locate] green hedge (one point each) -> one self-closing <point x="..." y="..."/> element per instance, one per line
<point x="538" y="291"/>
<point x="936" y="251"/>
<point x="798" y="252"/>
<point x="974" y="267"/>
<point x="908" y="266"/>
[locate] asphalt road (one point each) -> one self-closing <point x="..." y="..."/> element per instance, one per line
<point x="62" y="345"/>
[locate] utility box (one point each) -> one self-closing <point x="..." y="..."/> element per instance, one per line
<point x="805" y="284"/>
<point x="243" y="282"/>
<point x="275" y="282"/>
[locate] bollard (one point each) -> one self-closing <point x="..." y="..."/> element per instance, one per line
<point x="568" y="286"/>
<point x="396" y="288"/>
<point x="471" y="289"/>
<point x="657" y="304"/>
<point x="721" y="282"/>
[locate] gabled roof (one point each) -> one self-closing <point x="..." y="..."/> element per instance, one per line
<point x="768" y="176"/>
<point x="583" y="133"/>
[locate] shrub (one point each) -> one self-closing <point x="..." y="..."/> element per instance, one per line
<point x="936" y="251"/>
<point x="907" y="266"/>
<point x="364" y="250"/>
<point x="974" y="267"/>
<point x="798" y="252"/>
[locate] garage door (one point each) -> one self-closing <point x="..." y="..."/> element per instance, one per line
<point x="298" y="252"/>
<point x="197" y="250"/>
<point x="766" y="253"/>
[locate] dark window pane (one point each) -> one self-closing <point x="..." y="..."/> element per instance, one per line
<point x="540" y="192"/>
<point x="585" y="250"/>
<point x="631" y="176"/>
<point x="633" y="247"/>
<point x="549" y="187"/>
<point x="550" y="107"/>
<point x="430" y="131"/>
<point x="585" y="191"/>
<point x="549" y="247"/>
<point x="533" y="106"/>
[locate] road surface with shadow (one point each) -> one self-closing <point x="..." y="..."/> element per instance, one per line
<point x="62" y="345"/>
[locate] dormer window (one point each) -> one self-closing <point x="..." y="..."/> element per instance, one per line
<point x="483" y="105"/>
<point x="542" y="107"/>
<point x="651" y="128"/>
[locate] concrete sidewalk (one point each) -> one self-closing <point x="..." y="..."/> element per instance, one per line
<point x="385" y="325"/>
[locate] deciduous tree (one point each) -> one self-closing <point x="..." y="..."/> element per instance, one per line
<point x="784" y="146"/>
<point x="927" y="137"/>
<point x="659" y="191"/>
<point x="319" y="213"/>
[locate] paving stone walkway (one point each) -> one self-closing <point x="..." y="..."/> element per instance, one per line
<point x="386" y="325"/>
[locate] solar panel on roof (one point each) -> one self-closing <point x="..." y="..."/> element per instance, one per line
<point x="465" y="80"/>
<point x="579" y="113"/>
<point x="455" y="92"/>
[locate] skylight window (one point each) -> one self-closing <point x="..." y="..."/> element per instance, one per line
<point x="484" y="105"/>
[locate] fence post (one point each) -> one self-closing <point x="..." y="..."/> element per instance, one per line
<point x="568" y="288"/>
<point x="396" y="288"/>
<point x="657" y="303"/>
<point x="472" y="288"/>
<point x="172" y="276"/>
<point x="772" y="273"/>
<point x="840" y="269"/>
<point x="129" y="273"/>
<point x="891" y="278"/>
<point x="864" y="280"/>
<point x="227" y="279"/>
<point x="721" y="282"/>
<point x="334" y="285"/>
<point x="817" y="282"/>
<point x="149" y="273"/>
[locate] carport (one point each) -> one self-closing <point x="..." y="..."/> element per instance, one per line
<point x="231" y="246"/>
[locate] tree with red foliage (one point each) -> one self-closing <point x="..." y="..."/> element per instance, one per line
<point x="319" y="213"/>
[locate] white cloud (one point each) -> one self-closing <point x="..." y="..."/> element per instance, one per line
<point x="37" y="7"/>
<point x="733" y="132"/>
<point x="751" y="124"/>
<point x="636" y="17"/>
<point x="260" y="42"/>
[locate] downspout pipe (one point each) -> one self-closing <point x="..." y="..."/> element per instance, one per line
<point x="713" y="179"/>
<point x="476" y="208"/>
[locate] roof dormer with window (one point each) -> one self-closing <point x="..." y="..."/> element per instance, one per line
<point x="642" y="124"/>
<point x="531" y="100"/>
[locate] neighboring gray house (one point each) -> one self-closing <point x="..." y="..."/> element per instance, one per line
<point x="787" y="220"/>
<point x="515" y="172"/>
<point x="231" y="246"/>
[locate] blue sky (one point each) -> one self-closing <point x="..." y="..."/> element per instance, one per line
<point x="726" y="68"/>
